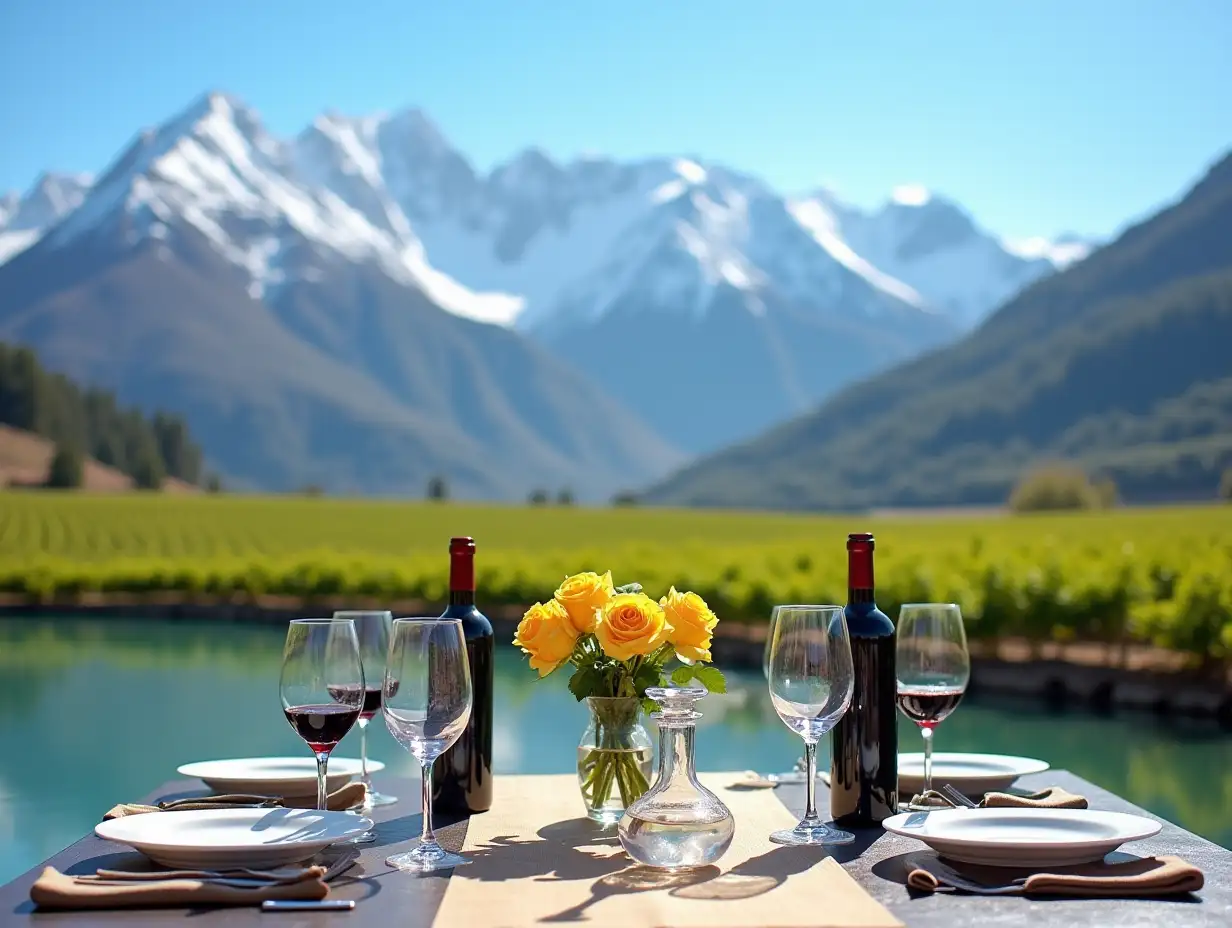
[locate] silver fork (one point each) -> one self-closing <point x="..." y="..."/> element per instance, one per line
<point x="240" y="878"/>
<point x="957" y="798"/>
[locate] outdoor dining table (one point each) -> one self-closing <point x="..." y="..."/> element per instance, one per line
<point x="385" y="897"/>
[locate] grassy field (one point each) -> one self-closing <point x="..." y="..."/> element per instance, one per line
<point x="1162" y="576"/>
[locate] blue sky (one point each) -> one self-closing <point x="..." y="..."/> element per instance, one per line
<point x="1040" y="117"/>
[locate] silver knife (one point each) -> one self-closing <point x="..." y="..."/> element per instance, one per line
<point x="292" y="905"/>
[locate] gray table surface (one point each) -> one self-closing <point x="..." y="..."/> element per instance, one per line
<point x="387" y="897"/>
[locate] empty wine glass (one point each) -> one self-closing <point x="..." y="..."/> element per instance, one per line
<point x="932" y="669"/>
<point x="372" y="629"/>
<point x="322" y="686"/>
<point x="811" y="683"/>
<point x="796" y="774"/>
<point x="427" y="702"/>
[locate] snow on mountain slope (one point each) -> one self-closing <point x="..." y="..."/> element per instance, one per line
<point x="931" y="246"/>
<point x="1060" y="252"/>
<point x="707" y="229"/>
<point x="533" y="238"/>
<point x="266" y="207"/>
<point x="23" y="220"/>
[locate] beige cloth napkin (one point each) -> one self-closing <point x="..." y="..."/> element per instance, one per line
<point x="1054" y="797"/>
<point x="1146" y="876"/>
<point x="56" y="890"/>
<point x="339" y="800"/>
<point x="536" y="859"/>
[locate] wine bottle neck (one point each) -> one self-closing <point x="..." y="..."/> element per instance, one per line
<point x="462" y="571"/>
<point x="860" y="595"/>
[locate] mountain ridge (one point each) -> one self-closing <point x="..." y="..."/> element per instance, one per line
<point x="1113" y="361"/>
<point x="277" y="358"/>
<point x="382" y="164"/>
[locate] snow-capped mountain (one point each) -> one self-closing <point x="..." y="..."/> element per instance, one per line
<point x="518" y="245"/>
<point x="24" y="219"/>
<point x="213" y="270"/>
<point x="789" y="298"/>
<point x="934" y="247"/>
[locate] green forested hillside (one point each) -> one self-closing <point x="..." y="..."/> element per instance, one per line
<point x="1122" y="362"/>
<point x="148" y="449"/>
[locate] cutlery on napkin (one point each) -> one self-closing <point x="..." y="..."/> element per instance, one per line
<point x="1054" y="797"/>
<point x="1146" y="876"/>
<point x="113" y="889"/>
<point x="346" y="797"/>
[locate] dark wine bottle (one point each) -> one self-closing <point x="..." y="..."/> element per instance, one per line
<point x="462" y="776"/>
<point x="864" y="743"/>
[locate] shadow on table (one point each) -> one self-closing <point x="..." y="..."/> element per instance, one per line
<point x="754" y="877"/>
<point x="632" y="880"/>
<point x="575" y="849"/>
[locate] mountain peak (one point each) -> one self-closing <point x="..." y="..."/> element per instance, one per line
<point x="411" y="127"/>
<point x="911" y="195"/>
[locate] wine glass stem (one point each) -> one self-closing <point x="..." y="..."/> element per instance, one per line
<point x="927" y="732"/>
<point x="322" y="762"/>
<point x="810" y="759"/>
<point x="428" y="836"/>
<point x="363" y="754"/>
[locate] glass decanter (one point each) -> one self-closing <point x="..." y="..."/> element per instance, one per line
<point x="677" y="824"/>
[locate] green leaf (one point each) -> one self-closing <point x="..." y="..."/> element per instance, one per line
<point x="583" y="682"/>
<point x="683" y="674"/>
<point x="648" y="675"/>
<point x="649" y="706"/>
<point x="629" y="588"/>
<point x="710" y="677"/>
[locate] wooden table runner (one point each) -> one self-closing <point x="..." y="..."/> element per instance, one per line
<point x="537" y="860"/>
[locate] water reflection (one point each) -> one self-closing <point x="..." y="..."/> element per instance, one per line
<point x="93" y="713"/>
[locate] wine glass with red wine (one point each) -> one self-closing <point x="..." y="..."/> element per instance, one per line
<point x="932" y="668"/>
<point x="426" y="699"/>
<point x="322" y="686"/>
<point x="372" y="628"/>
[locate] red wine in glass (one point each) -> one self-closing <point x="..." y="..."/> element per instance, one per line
<point x="372" y="629"/>
<point x="317" y="650"/>
<point x="932" y="668"/>
<point x="928" y="706"/>
<point x="371" y="699"/>
<point x="322" y="727"/>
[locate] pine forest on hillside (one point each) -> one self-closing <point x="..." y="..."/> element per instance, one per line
<point x="90" y="422"/>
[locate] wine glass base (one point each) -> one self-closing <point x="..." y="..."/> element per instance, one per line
<point x="368" y="837"/>
<point x="380" y="799"/>
<point x="794" y="776"/>
<point x="811" y="836"/>
<point x="426" y="859"/>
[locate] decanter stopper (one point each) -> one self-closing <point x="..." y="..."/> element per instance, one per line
<point x="677" y="824"/>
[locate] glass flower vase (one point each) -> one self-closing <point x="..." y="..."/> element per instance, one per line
<point x="614" y="757"/>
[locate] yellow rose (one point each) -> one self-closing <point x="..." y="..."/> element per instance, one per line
<point x="691" y="624"/>
<point x="547" y="635"/>
<point x="629" y="625"/>
<point x="583" y="595"/>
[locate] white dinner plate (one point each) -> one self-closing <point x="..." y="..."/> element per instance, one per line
<point x="1022" y="837"/>
<point x="275" y="776"/>
<point x="970" y="774"/>
<point x="212" y="839"/>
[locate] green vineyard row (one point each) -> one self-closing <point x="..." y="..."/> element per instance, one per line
<point x="1161" y="577"/>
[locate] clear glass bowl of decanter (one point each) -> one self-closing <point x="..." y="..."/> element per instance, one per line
<point x="677" y="824"/>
